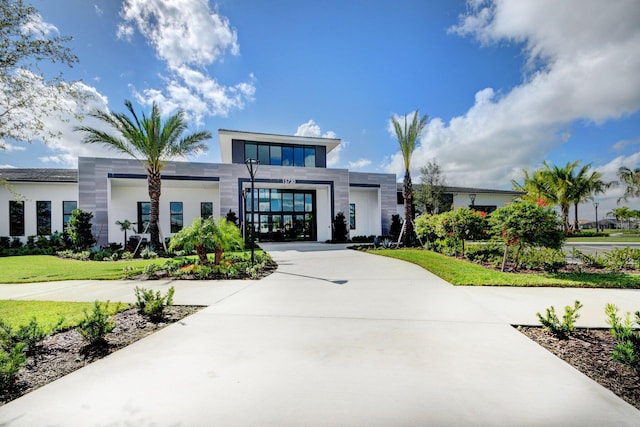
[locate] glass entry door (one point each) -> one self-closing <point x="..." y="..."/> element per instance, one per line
<point x="282" y="215"/>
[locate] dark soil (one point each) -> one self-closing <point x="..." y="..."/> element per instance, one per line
<point x="64" y="352"/>
<point x="589" y="351"/>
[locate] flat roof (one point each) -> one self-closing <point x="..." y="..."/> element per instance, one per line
<point x="226" y="136"/>
<point x="38" y="175"/>
<point x="470" y="190"/>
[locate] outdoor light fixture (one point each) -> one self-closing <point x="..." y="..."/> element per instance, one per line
<point x="472" y="196"/>
<point x="252" y="167"/>
<point x="596" y="206"/>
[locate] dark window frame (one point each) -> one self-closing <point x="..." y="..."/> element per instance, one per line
<point x="143" y="218"/>
<point x="66" y="213"/>
<point x="176" y="219"/>
<point x="202" y="211"/>
<point x="16" y="218"/>
<point x="352" y="216"/>
<point x="43" y="217"/>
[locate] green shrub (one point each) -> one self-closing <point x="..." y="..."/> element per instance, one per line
<point x="148" y="253"/>
<point x="126" y="255"/>
<point x="30" y="335"/>
<point x="627" y="348"/>
<point x="549" y="260"/>
<point x="590" y="261"/>
<point x="11" y="360"/>
<point x="96" y="324"/>
<point x="151" y="303"/>
<point x="490" y="253"/>
<point x="79" y="229"/>
<point x="563" y="328"/>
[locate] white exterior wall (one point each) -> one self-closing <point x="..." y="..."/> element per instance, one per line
<point x="30" y="193"/>
<point x="124" y="205"/>
<point x="368" y="221"/>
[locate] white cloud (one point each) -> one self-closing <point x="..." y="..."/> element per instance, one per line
<point x="582" y="63"/>
<point x="188" y="37"/>
<point x="359" y="164"/>
<point x="311" y="129"/>
<point x="13" y="147"/>
<point x="99" y="11"/>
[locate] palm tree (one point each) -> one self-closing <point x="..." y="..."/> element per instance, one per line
<point x="620" y="214"/>
<point x="557" y="186"/>
<point x="585" y="185"/>
<point x="534" y="187"/>
<point x="407" y="138"/>
<point x="205" y="235"/>
<point x="125" y="225"/>
<point x="631" y="178"/>
<point x="150" y="141"/>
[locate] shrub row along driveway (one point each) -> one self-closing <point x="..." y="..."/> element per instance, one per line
<point x="334" y="337"/>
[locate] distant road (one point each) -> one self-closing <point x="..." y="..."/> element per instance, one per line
<point x="599" y="247"/>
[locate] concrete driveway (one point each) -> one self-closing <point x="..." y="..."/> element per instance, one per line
<point x="335" y="337"/>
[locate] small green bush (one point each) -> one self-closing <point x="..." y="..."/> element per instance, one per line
<point x="30" y="335"/>
<point x="148" y="253"/>
<point x="627" y="348"/>
<point x="96" y="324"/>
<point x="563" y="328"/>
<point x="537" y="258"/>
<point x="126" y="255"/>
<point x="153" y="304"/>
<point x="11" y="360"/>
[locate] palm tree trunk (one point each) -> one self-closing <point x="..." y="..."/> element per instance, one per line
<point x="576" y="225"/>
<point x="155" y="184"/>
<point x="407" y="191"/>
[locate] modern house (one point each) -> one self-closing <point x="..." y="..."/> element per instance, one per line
<point x="296" y="195"/>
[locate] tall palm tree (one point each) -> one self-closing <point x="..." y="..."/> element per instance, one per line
<point x="151" y="141"/>
<point x="631" y="179"/>
<point x="585" y="185"/>
<point x="557" y="186"/>
<point x="534" y="187"/>
<point x="407" y="139"/>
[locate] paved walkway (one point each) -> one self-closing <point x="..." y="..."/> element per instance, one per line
<point x="334" y="337"/>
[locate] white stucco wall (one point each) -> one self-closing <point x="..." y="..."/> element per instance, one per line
<point x="462" y="200"/>
<point x="30" y="193"/>
<point x="368" y="220"/>
<point x="323" y="213"/>
<point x="126" y="195"/>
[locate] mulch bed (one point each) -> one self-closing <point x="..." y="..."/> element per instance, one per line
<point x="64" y="352"/>
<point x="589" y="351"/>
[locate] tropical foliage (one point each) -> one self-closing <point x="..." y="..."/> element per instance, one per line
<point x="563" y="186"/>
<point x="207" y="235"/>
<point x="451" y="229"/>
<point x="631" y="180"/>
<point x="407" y="135"/>
<point x="151" y="141"/>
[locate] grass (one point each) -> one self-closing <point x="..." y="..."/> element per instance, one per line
<point x="47" y="268"/>
<point x="605" y="239"/>
<point x="48" y="313"/>
<point x="465" y="273"/>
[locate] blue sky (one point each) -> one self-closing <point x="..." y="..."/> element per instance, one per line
<point x="506" y="84"/>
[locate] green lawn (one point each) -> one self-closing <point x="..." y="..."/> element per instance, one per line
<point x="47" y="268"/>
<point x="48" y="313"/>
<point x="634" y="238"/>
<point x="465" y="273"/>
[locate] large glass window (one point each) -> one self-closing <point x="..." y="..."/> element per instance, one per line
<point x="276" y="155"/>
<point x="250" y="151"/>
<point x="298" y="156"/>
<point x="176" y="216"/>
<point x="276" y="201"/>
<point x="298" y="202"/>
<point x="264" y="204"/>
<point x="43" y="218"/>
<point x="16" y="218"/>
<point x="67" y="210"/>
<point x="144" y="215"/>
<point x="263" y="154"/>
<point x="206" y="210"/>
<point x="310" y="157"/>
<point x="287" y="156"/>
<point x="287" y="202"/>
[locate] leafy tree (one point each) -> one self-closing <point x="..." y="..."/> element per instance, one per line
<point x="624" y="213"/>
<point x="524" y="224"/>
<point x="429" y="194"/>
<point x="232" y="217"/>
<point x="458" y="225"/>
<point x="407" y="136"/>
<point x="150" y="141"/>
<point x="26" y="95"/>
<point x="396" y="227"/>
<point x="125" y="225"/>
<point x="207" y="235"/>
<point x="631" y="180"/>
<point x="79" y="230"/>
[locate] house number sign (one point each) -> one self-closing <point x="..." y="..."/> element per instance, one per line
<point x="288" y="180"/>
